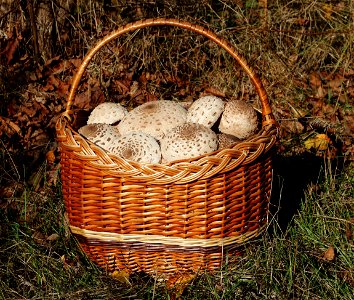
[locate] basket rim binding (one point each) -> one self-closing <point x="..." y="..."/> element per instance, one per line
<point x="179" y="171"/>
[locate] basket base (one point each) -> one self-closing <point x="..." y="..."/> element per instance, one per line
<point x="157" y="260"/>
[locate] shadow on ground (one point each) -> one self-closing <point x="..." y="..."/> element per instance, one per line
<point x="292" y="175"/>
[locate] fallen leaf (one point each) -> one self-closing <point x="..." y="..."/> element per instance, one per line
<point x="315" y="79"/>
<point x="39" y="237"/>
<point x="292" y="126"/>
<point x="329" y="254"/>
<point x="53" y="237"/>
<point x="50" y="156"/>
<point x="121" y="275"/>
<point x="177" y="284"/>
<point x="336" y="82"/>
<point x="328" y="10"/>
<point x="319" y="142"/>
<point x="348" y="277"/>
<point x="321" y="92"/>
<point x="9" y="124"/>
<point x="11" y="48"/>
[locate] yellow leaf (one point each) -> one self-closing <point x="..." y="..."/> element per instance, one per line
<point x="177" y="284"/>
<point x="328" y="10"/>
<point x="121" y="275"/>
<point x="319" y="142"/>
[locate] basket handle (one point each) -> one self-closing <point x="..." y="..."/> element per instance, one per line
<point x="268" y="118"/>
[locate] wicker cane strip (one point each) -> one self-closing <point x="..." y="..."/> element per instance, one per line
<point x="172" y="218"/>
<point x="163" y="240"/>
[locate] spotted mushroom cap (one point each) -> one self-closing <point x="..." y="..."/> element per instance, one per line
<point x="137" y="146"/>
<point x="107" y="113"/>
<point x="226" y="140"/>
<point x="206" y="111"/>
<point x="188" y="140"/>
<point x="103" y="135"/>
<point x="239" y="119"/>
<point x="154" y="118"/>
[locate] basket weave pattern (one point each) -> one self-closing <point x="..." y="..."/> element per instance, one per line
<point x="166" y="218"/>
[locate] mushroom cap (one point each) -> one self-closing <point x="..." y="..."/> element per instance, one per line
<point x="206" y="110"/>
<point x="103" y="135"/>
<point x="107" y="113"/>
<point x="188" y="140"/>
<point x="137" y="146"/>
<point x="154" y="118"/>
<point x="239" y="119"/>
<point x="226" y="140"/>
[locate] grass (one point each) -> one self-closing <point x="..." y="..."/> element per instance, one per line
<point x="311" y="215"/>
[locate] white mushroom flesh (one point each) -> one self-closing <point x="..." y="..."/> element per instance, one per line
<point x="154" y="118"/>
<point x="239" y="119"/>
<point x="107" y="113"/>
<point x="103" y="135"/>
<point x="206" y="110"/>
<point x="137" y="146"/>
<point x="187" y="141"/>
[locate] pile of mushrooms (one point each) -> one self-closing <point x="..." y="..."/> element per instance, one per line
<point x="163" y="131"/>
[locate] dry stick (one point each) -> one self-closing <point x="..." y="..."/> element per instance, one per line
<point x="33" y="29"/>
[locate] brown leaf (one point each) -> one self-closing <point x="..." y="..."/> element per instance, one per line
<point x="321" y="92"/>
<point x="329" y="254"/>
<point x="315" y="80"/>
<point x="348" y="277"/>
<point x="76" y="62"/>
<point x="82" y="101"/>
<point x="39" y="238"/>
<point x="63" y="89"/>
<point x="53" y="237"/>
<point x="177" y="284"/>
<point x="9" y="126"/>
<point x="336" y="82"/>
<point x="122" y="86"/>
<point x="292" y="126"/>
<point x="50" y="156"/>
<point x="11" y="48"/>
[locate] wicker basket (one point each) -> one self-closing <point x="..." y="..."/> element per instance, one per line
<point x="164" y="219"/>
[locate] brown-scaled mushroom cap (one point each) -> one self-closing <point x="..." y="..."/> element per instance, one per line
<point x="188" y="140"/>
<point x="206" y="111"/>
<point x="107" y="113"/>
<point x="137" y="146"/>
<point x="154" y="118"/>
<point x="239" y="119"/>
<point x="103" y="135"/>
<point x="226" y="140"/>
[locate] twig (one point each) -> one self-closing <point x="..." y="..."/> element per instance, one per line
<point x="33" y="28"/>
